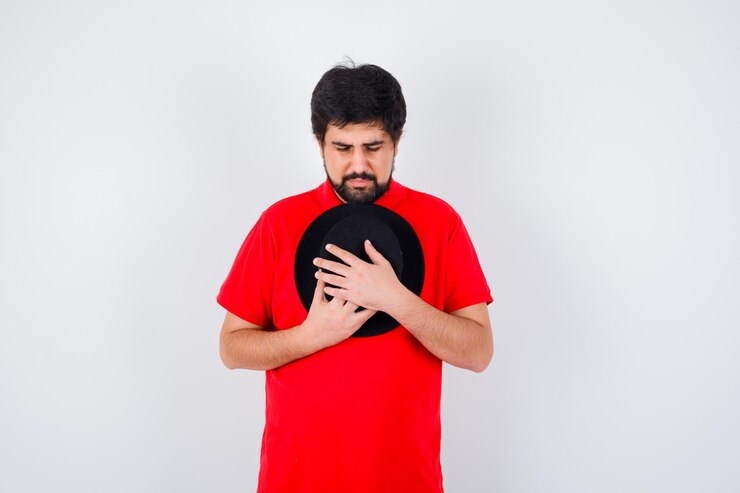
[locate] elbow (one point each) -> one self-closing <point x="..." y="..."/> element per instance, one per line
<point x="225" y="354"/>
<point x="482" y="365"/>
<point x="228" y="363"/>
<point x="484" y="348"/>
<point x="485" y="359"/>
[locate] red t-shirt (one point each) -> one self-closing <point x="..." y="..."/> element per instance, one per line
<point x="363" y="415"/>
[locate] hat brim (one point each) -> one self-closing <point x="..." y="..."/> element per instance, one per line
<point x="309" y="247"/>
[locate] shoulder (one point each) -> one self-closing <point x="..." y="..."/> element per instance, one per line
<point x="288" y="218"/>
<point x="430" y="205"/>
<point x="289" y="205"/>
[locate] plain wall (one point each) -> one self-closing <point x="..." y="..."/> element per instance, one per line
<point x="592" y="149"/>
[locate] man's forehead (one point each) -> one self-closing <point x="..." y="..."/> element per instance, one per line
<point x="364" y="132"/>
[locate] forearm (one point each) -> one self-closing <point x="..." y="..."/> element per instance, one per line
<point x="256" y="349"/>
<point x="459" y="341"/>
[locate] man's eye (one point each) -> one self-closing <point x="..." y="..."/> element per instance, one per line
<point x="343" y="149"/>
<point x="372" y="149"/>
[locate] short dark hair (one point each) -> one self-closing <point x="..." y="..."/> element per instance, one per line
<point x="358" y="94"/>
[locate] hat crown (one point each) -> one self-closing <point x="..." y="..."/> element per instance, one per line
<point x="350" y="234"/>
<point x="389" y="233"/>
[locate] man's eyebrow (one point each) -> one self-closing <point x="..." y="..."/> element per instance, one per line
<point x="366" y="144"/>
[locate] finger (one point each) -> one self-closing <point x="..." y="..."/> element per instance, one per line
<point x="338" y="294"/>
<point x="318" y="293"/>
<point x="374" y="255"/>
<point x="350" y="307"/>
<point x="335" y="267"/>
<point x="344" y="255"/>
<point x="331" y="279"/>
<point x="364" y="315"/>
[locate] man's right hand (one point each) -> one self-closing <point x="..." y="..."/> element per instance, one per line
<point x="246" y="345"/>
<point x="330" y="322"/>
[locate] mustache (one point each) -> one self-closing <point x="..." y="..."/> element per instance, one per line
<point x="360" y="176"/>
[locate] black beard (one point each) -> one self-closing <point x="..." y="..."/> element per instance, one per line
<point x="353" y="196"/>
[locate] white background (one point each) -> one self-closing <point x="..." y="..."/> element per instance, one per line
<point x="592" y="149"/>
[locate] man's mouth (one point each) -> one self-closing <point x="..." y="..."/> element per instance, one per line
<point x="359" y="182"/>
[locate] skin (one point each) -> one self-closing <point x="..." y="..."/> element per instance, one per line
<point x="462" y="338"/>
<point x="358" y="149"/>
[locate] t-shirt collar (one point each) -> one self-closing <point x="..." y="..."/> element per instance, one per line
<point x="395" y="193"/>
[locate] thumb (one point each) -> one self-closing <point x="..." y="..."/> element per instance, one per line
<point x="318" y="293"/>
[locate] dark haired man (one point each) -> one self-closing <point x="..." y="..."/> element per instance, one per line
<point x="359" y="414"/>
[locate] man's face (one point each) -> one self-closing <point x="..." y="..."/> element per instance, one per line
<point x="358" y="160"/>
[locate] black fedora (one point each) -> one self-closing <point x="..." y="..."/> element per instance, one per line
<point x="348" y="226"/>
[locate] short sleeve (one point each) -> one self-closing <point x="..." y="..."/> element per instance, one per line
<point x="465" y="283"/>
<point x="247" y="290"/>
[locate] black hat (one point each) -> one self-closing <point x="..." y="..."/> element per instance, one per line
<point x="348" y="226"/>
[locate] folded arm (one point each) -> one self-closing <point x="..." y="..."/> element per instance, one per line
<point x="249" y="346"/>
<point x="462" y="338"/>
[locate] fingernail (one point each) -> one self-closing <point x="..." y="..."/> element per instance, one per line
<point x="316" y="275"/>
<point x="315" y="261"/>
<point x="329" y="245"/>
<point x="368" y="242"/>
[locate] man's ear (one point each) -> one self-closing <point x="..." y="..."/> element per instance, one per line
<point x="395" y="144"/>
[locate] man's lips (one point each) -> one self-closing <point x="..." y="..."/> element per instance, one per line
<point x="359" y="182"/>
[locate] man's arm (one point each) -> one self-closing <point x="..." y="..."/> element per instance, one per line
<point x="249" y="346"/>
<point x="462" y="338"/>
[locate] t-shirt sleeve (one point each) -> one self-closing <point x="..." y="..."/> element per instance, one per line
<point x="465" y="283"/>
<point x="247" y="290"/>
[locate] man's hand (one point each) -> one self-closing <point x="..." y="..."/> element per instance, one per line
<point x="374" y="286"/>
<point x="331" y="322"/>
<point x="246" y="345"/>
<point x="462" y="338"/>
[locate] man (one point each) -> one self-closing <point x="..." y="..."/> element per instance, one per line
<point x="355" y="414"/>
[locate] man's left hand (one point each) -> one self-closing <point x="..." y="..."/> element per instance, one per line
<point x="370" y="285"/>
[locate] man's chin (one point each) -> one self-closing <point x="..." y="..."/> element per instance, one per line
<point x="357" y="196"/>
<point x="362" y="195"/>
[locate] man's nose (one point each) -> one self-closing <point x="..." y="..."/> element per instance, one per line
<point x="359" y="160"/>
